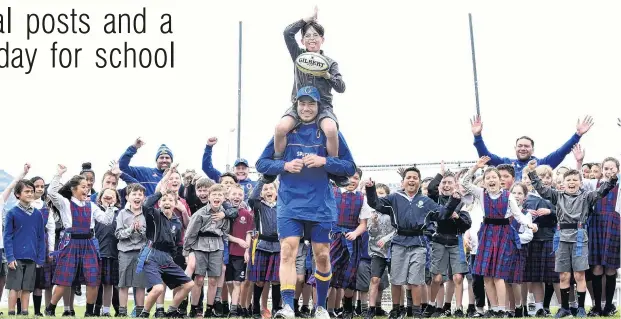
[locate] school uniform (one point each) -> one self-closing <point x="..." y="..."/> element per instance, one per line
<point x="604" y="227"/>
<point x="242" y="225"/>
<point x="108" y="251"/>
<point x="24" y="242"/>
<point x="409" y="245"/>
<point x="380" y="229"/>
<point x="572" y="210"/>
<point x="265" y="259"/>
<point x="345" y="254"/>
<point x="77" y="251"/>
<point x="540" y="255"/>
<point x="3" y="266"/>
<point x="525" y="235"/>
<point x="447" y="247"/>
<point x="156" y="257"/>
<point x="204" y="237"/>
<point x="45" y="273"/>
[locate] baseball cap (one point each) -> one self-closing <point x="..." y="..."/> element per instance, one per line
<point x="309" y="91"/>
<point x="240" y="161"/>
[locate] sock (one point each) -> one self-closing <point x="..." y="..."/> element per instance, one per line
<point x="358" y="304"/>
<point x="139" y="309"/>
<point x="565" y="298"/>
<point x="581" y="297"/>
<point x="597" y="290"/>
<point x="501" y="308"/>
<point x="348" y="304"/>
<point x="218" y="294"/>
<point x="277" y="297"/>
<point x="471" y="307"/>
<point x="547" y="297"/>
<point x="256" y="299"/>
<point x="159" y="306"/>
<point x="37" y="303"/>
<point x="107" y="309"/>
<point x="296" y="305"/>
<point x="322" y="281"/>
<point x="480" y="309"/>
<point x="234" y="309"/>
<point x="123" y="310"/>
<point x="287" y="293"/>
<point x="611" y="282"/>
<point x="18" y="306"/>
<point x="24" y="313"/>
<point x="51" y="307"/>
<point x="396" y="306"/>
<point x="67" y="308"/>
<point x="408" y="296"/>
<point x="89" y="308"/>
<point x="432" y="303"/>
<point x="447" y="305"/>
<point x="364" y="307"/>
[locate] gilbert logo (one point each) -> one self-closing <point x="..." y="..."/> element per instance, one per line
<point x="312" y="62"/>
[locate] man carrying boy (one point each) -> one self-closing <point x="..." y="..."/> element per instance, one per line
<point x="204" y="239"/>
<point x="24" y="245"/>
<point x="571" y="248"/>
<point x="305" y="167"/>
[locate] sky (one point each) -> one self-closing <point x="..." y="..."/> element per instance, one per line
<point x="407" y="66"/>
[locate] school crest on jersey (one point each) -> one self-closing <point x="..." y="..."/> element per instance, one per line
<point x="173" y="229"/>
<point x="420" y="204"/>
<point x="242" y="219"/>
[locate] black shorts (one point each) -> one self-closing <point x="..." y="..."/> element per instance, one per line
<point x="323" y="113"/>
<point x="180" y="259"/>
<point x="378" y="266"/>
<point x="236" y="269"/>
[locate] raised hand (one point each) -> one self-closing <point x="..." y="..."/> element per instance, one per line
<point x="61" y="169"/>
<point x="139" y="142"/>
<point x="578" y="153"/>
<point x="313" y="17"/>
<point x="26" y="169"/>
<point x="114" y="168"/>
<point x="584" y="126"/>
<point x="442" y="168"/>
<point x="476" y="125"/>
<point x="212" y="141"/>
<point x="532" y="165"/>
<point x="401" y="171"/>
<point x="483" y="161"/>
<point x="369" y="183"/>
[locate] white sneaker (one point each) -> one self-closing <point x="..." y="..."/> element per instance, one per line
<point x="321" y="313"/>
<point x="286" y="313"/>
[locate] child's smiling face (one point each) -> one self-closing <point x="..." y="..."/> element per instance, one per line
<point x="311" y="40"/>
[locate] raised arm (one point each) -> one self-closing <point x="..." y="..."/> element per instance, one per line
<point x="555" y="158"/>
<point x="543" y="191"/>
<point x="336" y="79"/>
<point x="289" y="34"/>
<point x="604" y="189"/>
<point x="381" y="205"/>
<point x="466" y="181"/>
<point x="433" y="187"/>
<point x="255" y="197"/>
<point x="207" y="160"/>
<point x="7" y="191"/>
<point x="126" y="158"/>
<point x="477" y="128"/>
<point x="61" y="203"/>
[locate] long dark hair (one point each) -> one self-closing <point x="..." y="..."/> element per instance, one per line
<point x="74" y="182"/>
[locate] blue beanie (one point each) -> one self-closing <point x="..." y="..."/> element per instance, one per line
<point x="164" y="150"/>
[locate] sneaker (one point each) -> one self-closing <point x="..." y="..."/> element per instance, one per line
<point x="541" y="313"/>
<point x="123" y="314"/>
<point x="609" y="311"/>
<point x="38" y="314"/>
<point x="408" y="311"/>
<point x="305" y="312"/>
<point x="437" y="313"/>
<point x="285" y="313"/>
<point x="67" y="313"/>
<point x="581" y="313"/>
<point x="106" y="315"/>
<point x="490" y="314"/>
<point x="347" y="315"/>
<point x="547" y="311"/>
<point x="369" y="315"/>
<point x="394" y="314"/>
<point x="321" y="313"/>
<point x="143" y="314"/>
<point x="469" y="312"/>
<point x="562" y="313"/>
<point x="595" y="312"/>
<point x="173" y="314"/>
<point x="573" y="310"/>
<point x="218" y="309"/>
<point x="477" y="314"/>
<point x="193" y="313"/>
<point x="47" y="312"/>
<point x="160" y="313"/>
<point x="380" y="312"/>
<point x="519" y="312"/>
<point x="445" y="313"/>
<point x="226" y="309"/>
<point x="458" y="313"/>
<point x="133" y="314"/>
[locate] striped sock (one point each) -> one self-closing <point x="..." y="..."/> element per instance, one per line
<point x="323" y="285"/>
<point x="287" y="293"/>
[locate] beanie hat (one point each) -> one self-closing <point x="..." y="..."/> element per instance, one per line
<point x="164" y="150"/>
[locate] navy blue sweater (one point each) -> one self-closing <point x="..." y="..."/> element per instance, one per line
<point x="24" y="236"/>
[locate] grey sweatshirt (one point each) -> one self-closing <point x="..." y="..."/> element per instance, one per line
<point x="202" y="222"/>
<point x="130" y="238"/>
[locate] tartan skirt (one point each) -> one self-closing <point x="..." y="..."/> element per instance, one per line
<point x="604" y="240"/>
<point x="109" y="269"/>
<point x="497" y="250"/>
<point x="540" y="263"/>
<point x="344" y="259"/>
<point x="77" y="262"/>
<point x="265" y="267"/>
<point x="44" y="275"/>
<point x="518" y="264"/>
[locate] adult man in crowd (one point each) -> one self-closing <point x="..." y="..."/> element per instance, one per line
<point x="525" y="147"/>
<point x="240" y="168"/>
<point x="149" y="177"/>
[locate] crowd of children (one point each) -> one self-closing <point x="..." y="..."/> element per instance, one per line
<point x="509" y="227"/>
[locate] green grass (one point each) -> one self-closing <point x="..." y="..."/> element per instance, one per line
<point x="79" y="310"/>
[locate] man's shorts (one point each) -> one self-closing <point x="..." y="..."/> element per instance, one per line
<point x="289" y="227"/>
<point x="566" y="259"/>
<point x="236" y="269"/>
<point x="160" y="268"/>
<point x="209" y="263"/>
<point x="23" y="276"/>
<point x="300" y="260"/>
<point x="324" y="112"/>
<point x="407" y="265"/>
<point x="444" y="256"/>
<point x="363" y="276"/>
